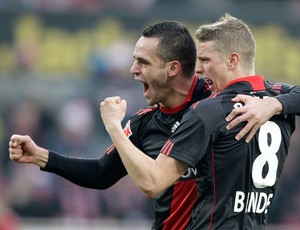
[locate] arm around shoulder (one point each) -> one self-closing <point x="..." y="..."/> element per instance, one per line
<point x="290" y="99"/>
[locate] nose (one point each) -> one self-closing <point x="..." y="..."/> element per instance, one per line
<point x="134" y="69"/>
<point x="199" y="68"/>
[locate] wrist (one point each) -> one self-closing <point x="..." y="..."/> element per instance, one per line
<point x="276" y="105"/>
<point x="113" y="127"/>
<point x="42" y="157"/>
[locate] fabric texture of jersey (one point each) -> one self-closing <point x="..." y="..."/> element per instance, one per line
<point x="236" y="181"/>
<point x="148" y="130"/>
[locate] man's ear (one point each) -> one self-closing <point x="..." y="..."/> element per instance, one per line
<point x="233" y="60"/>
<point x="173" y="68"/>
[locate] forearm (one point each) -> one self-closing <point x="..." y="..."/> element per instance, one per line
<point x="275" y="106"/>
<point x="89" y="173"/>
<point x="290" y="101"/>
<point x="141" y="168"/>
<point x="150" y="176"/>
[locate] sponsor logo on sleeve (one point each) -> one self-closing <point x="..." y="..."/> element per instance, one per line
<point x="127" y="129"/>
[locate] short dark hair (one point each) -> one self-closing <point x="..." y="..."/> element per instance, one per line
<point x="175" y="43"/>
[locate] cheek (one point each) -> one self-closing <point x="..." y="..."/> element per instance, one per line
<point x="215" y="70"/>
<point x="156" y="78"/>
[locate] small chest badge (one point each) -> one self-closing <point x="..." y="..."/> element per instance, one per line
<point x="127" y="129"/>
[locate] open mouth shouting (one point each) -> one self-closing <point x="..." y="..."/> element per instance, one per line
<point x="146" y="89"/>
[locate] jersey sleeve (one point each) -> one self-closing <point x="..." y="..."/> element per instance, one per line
<point x="184" y="144"/>
<point x="90" y="173"/>
<point x="290" y="99"/>
<point x="99" y="173"/>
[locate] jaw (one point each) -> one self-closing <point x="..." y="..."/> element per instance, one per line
<point x="214" y="88"/>
<point x="217" y="87"/>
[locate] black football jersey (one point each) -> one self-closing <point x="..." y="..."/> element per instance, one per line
<point x="236" y="181"/>
<point x="148" y="130"/>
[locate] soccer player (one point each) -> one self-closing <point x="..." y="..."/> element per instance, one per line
<point x="236" y="181"/>
<point x="165" y="57"/>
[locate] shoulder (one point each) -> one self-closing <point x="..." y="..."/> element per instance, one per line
<point x="207" y="105"/>
<point x="146" y="111"/>
<point x="142" y="115"/>
<point x="213" y="110"/>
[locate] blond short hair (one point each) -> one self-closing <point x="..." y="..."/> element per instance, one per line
<point x="230" y="35"/>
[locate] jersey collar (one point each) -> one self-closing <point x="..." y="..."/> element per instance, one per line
<point x="255" y="82"/>
<point x="248" y="83"/>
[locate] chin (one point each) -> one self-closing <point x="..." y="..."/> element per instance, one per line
<point x="149" y="102"/>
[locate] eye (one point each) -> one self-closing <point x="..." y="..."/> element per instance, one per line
<point x="142" y="61"/>
<point x="203" y="60"/>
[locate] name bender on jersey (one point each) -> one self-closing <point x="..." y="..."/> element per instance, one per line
<point x="256" y="202"/>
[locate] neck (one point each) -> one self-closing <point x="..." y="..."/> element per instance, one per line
<point x="179" y="92"/>
<point x="221" y="83"/>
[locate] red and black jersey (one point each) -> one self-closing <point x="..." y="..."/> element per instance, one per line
<point x="236" y="181"/>
<point x="148" y="130"/>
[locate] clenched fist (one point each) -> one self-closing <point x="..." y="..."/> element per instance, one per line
<point x="22" y="149"/>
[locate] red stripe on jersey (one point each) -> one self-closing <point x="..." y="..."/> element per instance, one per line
<point x="195" y="104"/>
<point x="166" y="149"/>
<point x="185" y="195"/>
<point x="110" y="149"/>
<point x="214" y="184"/>
<point x="276" y="86"/>
<point x="165" y="146"/>
<point x="146" y="110"/>
<point x="257" y="82"/>
<point x="214" y="95"/>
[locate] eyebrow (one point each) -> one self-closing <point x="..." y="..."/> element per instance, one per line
<point x="203" y="58"/>
<point x="141" y="59"/>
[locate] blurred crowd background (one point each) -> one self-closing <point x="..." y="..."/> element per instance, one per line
<point x="60" y="58"/>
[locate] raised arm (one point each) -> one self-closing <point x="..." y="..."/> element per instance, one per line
<point x="90" y="173"/>
<point x="22" y="149"/>
<point x="152" y="177"/>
